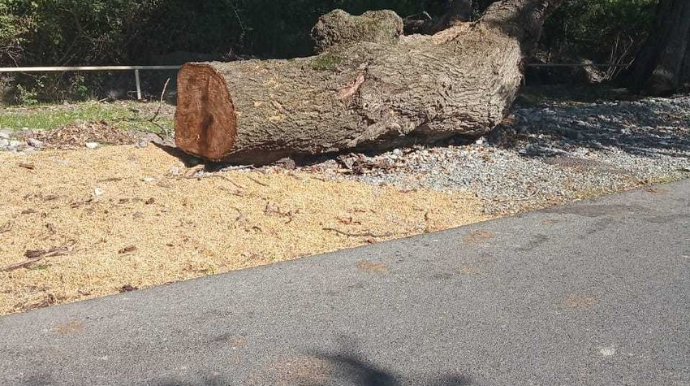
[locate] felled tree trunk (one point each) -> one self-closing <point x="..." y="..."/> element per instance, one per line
<point x="663" y="65"/>
<point x="371" y="93"/>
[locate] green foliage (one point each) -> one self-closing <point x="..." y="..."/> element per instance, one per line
<point x="99" y="32"/>
<point x="108" y="32"/>
<point x="127" y="115"/>
<point x="13" y="31"/>
<point x="602" y="30"/>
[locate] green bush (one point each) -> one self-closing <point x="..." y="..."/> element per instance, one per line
<point x="108" y="32"/>
<point x="600" y="30"/>
<point x="14" y="29"/>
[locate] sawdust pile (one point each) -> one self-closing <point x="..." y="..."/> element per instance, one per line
<point x="87" y="223"/>
<point x="77" y="134"/>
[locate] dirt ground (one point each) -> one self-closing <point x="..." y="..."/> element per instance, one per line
<point x="78" y="224"/>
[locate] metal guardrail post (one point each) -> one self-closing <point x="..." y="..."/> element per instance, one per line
<point x="136" y="77"/>
<point x="136" y="69"/>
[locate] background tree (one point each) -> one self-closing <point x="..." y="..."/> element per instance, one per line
<point x="663" y="66"/>
<point x="98" y="32"/>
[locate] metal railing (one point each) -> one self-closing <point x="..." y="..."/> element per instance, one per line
<point x="136" y="70"/>
<point x="137" y="79"/>
<point x="575" y="65"/>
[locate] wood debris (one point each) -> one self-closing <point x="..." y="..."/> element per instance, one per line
<point x="26" y="166"/>
<point x="127" y="249"/>
<point x="36" y="255"/>
<point x="363" y="234"/>
<point x="6" y="227"/>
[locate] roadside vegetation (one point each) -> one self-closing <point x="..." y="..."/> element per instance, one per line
<point x="128" y="115"/>
<point x="79" y="32"/>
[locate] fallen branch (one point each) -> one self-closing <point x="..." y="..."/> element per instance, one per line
<point x="257" y="181"/>
<point x="35" y="256"/>
<point x="229" y="180"/>
<point x="26" y="165"/>
<point x="160" y="103"/>
<point x="365" y="234"/>
<point x="199" y="174"/>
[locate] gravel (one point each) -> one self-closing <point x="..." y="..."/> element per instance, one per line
<point x="541" y="156"/>
<point x="34" y="142"/>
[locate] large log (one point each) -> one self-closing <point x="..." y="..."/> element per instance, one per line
<point x="359" y="95"/>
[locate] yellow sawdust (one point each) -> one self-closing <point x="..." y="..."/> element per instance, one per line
<point x="133" y="218"/>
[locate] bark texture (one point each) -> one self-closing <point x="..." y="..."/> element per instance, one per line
<point x="663" y="65"/>
<point x="362" y="96"/>
<point x="340" y="28"/>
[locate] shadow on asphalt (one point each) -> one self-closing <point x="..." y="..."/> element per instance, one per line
<point x="354" y="370"/>
<point x="345" y="366"/>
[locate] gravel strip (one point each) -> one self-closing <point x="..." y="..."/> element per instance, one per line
<point x="558" y="152"/>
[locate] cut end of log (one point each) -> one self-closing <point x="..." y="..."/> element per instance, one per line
<point x="205" y="119"/>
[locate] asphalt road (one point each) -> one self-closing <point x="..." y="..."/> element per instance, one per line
<point x="596" y="293"/>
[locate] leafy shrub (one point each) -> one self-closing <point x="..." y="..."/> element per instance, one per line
<point x="601" y="30"/>
<point x="107" y="32"/>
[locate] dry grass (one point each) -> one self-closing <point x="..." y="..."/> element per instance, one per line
<point x="122" y="218"/>
<point x="77" y="134"/>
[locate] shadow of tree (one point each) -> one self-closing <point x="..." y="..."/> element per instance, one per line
<point x="345" y="366"/>
<point x="357" y="371"/>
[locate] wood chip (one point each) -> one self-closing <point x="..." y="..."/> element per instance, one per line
<point x="128" y="249"/>
<point x="51" y="228"/>
<point x="128" y="288"/>
<point x="6" y="227"/>
<point x="26" y="166"/>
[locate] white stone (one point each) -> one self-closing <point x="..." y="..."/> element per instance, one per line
<point x="98" y="192"/>
<point x="92" y="145"/>
<point x="148" y="179"/>
<point x="607" y="351"/>
<point x="33" y="142"/>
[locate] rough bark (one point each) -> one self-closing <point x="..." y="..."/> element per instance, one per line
<point x="663" y="65"/>
<point x="339" y="28"/>
<point x="364" y="96"/>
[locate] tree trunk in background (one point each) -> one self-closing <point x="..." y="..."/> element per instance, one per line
<point x="362" y="94"/>
<point x="663" y="65"/>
